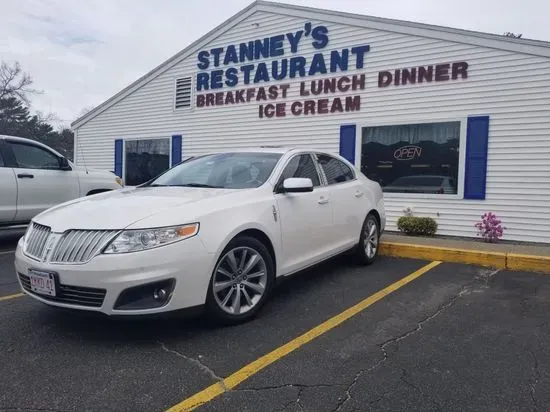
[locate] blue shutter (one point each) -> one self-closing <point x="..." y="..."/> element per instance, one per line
<point x="119" y="147"/>
<point x="477" y="139"/>
<point x="347" y="142"/>
<point x="176" y="149"/>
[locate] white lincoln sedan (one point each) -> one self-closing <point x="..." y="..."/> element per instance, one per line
<point x="212" y="233"/>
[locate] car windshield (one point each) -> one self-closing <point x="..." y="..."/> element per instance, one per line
<point x="224" y="170"/>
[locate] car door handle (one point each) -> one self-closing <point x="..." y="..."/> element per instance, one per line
<point x="322" y="200"/>
<point x="25" y="175"/>
<point x="359" y="193"/>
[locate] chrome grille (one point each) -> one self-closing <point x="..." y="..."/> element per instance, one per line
<point x="80" y="245"/>
<point x="36" y="240"/>
<point x="75" y="295"/>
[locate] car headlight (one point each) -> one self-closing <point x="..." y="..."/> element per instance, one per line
<point x="27" y="230"/>
<point x="119" y="181"/>
<point x="142" y="239"/>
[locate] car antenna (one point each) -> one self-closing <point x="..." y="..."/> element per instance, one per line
<point x="79" y="149"/>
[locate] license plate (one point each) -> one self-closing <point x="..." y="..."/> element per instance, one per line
<point x="42" y="282"/>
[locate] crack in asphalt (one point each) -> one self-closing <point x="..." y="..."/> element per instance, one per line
<point x="219" y="379"/>
<point x="533" y="384"/>
<point x="350" y="387"/>
<point x="300" y="387"/>
<point x="465" y="290"/>
<point x="289" y="385"/>
<point x="205" y="369"/>
<point x="388" y="392"/>
<point x="484" y="275"/>
<point x="299" y="400"/>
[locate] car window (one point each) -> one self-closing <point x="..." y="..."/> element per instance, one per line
<point x="301" y="166"/>
<point x="225" y="170"/>
<point x="33" y="157"/>
<point x="2" y="164"/>
<point x="335" y="170"/>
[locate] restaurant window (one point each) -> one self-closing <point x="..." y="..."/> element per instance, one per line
<point x="146" y="159"/>
<point x="412" y="158"/>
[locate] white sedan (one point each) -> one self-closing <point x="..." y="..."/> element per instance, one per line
<point x="213" y="233"/>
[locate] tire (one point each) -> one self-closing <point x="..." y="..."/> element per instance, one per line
<point x="243" y="284"/>
<point x="367" y="248"/>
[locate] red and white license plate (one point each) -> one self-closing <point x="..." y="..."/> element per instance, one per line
<point x="42" y="282"/>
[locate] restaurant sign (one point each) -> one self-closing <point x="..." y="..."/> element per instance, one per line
<point x="238" y="73"/>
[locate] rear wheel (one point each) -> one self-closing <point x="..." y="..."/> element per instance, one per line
<point x="367" y="248"/>
<point x="241" y="282"/>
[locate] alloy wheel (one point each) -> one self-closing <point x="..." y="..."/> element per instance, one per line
<point x="239" y="280"/>
<point x="371" y="238"/>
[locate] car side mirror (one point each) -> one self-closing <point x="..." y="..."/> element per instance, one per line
<point x="64" y="164"/>
<point x="297" y="185"/>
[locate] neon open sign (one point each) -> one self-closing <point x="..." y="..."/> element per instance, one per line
<point x="407" y="152"/>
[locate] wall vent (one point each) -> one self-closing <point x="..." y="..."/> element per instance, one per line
<point x="183" y="92"/>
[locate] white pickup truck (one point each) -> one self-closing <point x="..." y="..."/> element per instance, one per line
<point x="34" y="177"/>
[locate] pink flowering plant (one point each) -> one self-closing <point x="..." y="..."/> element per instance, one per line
<point x="490" y="227"/>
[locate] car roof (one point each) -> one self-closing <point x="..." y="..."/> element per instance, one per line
<point x="271" y="149"/>
<point x="17" y="138"/>
<point x="257" y="149"/>
<point x="25" y="140"/>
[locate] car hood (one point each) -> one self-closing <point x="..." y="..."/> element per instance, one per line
<point x="86" y="171"/>
<point x="119" y="209"/>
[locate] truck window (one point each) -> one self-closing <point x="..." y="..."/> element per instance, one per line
<point x="33" y="157"/>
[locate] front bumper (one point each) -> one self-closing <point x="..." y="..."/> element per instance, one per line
<point x="187" y="262"/>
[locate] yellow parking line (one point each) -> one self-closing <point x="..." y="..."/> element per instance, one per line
<point x="254" y="367"/>
<point x="8" y="297"/>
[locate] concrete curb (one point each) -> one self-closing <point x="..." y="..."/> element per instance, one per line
<point x="497" y="260"/>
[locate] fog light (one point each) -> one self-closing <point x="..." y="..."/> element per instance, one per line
<point x="160" y="294"/>
<point x="147" y="296"/>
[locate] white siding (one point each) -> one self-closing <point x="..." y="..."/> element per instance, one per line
<point x="512" y="88"/>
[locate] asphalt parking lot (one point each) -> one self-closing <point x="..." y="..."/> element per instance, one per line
<point x="456" y="338"/>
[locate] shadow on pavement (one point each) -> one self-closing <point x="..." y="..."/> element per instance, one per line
<point x="97" y="327"/>
<point x="9" y="239"/>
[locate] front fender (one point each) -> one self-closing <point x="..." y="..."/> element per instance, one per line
<point x="218" y="229"/>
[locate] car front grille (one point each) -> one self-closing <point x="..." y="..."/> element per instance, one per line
<point x="73" y="246"/>
<point x="77" y="246"/>
<point x="37" y="237"/>
<point x="73" y="295"/>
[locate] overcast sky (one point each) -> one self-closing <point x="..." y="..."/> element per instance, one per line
<point x="82" y="52"/>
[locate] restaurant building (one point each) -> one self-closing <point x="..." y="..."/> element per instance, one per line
<point x="452" y="123"/>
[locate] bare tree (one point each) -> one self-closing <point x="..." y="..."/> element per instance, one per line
<point x="85" y="110"/>
<point x="47" y="118"/>
<point x="15" y="83"/>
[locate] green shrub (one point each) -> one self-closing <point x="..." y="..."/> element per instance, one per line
<point x="417" y="226"/>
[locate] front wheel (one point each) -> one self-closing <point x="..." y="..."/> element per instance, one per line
<point x="241" y="282"/>
<point x="367" y="248"/>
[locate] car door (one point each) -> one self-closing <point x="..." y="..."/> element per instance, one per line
<point x="8" y="191"/>
<point x="41" y="182"/>
<point x="349" y="200"/>
<point x="305" y="218"/>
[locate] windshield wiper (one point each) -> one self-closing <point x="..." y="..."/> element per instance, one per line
<point x="186" y="185"/>
<point x="200" y="185"/>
